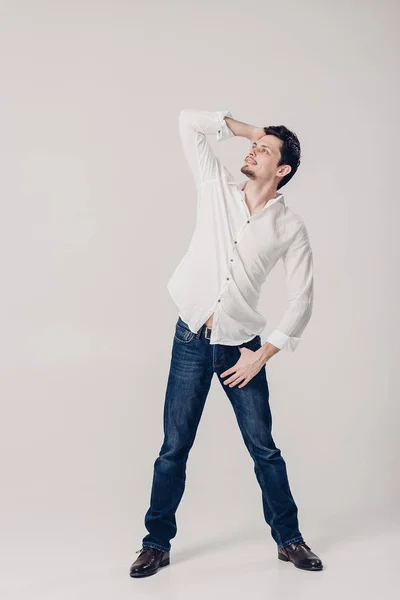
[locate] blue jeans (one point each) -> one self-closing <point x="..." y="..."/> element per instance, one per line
<point x="193" y="362"/>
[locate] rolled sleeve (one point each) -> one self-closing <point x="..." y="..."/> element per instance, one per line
<point x="223" y="132"/>
<point x="283" y="341"/>
<point x="298" y="265"/>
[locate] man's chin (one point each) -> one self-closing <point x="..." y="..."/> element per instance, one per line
<point x="246" y="170"/>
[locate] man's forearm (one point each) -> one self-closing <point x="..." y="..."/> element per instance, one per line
<point x="244" y="129"/>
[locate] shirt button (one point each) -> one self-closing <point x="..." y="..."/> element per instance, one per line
<point x="219" y="300"/>
<point x="227" y="277"/>
<point x="235" y="242"/>
<point x="231" y="259"/>
<point x="248" y="221"/>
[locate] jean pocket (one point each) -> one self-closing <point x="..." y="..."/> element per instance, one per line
<point x="182" y="334"/>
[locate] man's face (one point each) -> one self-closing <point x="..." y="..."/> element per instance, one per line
<point x="261" y="161"/>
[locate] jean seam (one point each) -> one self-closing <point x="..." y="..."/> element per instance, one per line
<point x="186" y="341"/>
<point x="292" y="541"/>
<point x="157" y="546"/>
<point x="269" y="502"/>
<point x="189" y="334"/>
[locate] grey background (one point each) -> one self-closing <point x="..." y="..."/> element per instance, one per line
<point x="98" y="206"/>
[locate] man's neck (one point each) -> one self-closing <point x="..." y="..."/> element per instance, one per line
<point x="257" y="194"/>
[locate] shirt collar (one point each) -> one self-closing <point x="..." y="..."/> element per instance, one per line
<point x="242" y="182"/>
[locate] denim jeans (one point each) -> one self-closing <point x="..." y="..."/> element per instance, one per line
<point x="193" y="362"/>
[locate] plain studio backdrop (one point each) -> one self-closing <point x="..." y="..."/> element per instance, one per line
<point x="98" y="207"/>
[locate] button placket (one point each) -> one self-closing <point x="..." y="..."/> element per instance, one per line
<point x="227" y="278"/>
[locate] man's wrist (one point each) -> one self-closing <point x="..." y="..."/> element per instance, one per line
<point x="257" y="133"/>
<point x="245" y="130"/>
<point x="267" y="350"/>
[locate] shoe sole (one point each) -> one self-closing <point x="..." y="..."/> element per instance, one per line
<point x="302" y="568"/>
<point x="163" y="563"/>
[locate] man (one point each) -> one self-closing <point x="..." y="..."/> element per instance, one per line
<point x="242" y="230"/>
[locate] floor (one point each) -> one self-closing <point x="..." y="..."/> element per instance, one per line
<point x="361" y="566"/>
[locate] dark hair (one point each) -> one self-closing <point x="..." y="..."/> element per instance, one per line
<point x="290" y="151"/>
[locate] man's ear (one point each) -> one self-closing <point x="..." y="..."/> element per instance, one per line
<point x="283" y="170"/>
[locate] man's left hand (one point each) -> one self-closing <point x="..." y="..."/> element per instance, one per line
<point x="248" y="365"/>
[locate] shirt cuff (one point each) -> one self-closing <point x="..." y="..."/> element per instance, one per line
<point x="283" y="341"/>
<point x="223" y="132"/>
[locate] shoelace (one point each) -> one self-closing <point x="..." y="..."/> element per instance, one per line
<point x="303" y="544"/>
<point x="146" y="548"/>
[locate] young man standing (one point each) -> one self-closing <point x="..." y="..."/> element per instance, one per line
<point x="243" y="228"/>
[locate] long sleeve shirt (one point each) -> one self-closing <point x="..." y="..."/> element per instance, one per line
<point x="232" y="252"/>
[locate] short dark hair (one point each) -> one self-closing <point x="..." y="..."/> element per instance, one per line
<point x="290" y="151"/>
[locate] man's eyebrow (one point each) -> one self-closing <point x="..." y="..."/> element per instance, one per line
<point x="265" y="145"/>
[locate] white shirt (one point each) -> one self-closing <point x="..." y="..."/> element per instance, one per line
<point x="232" y="252"/>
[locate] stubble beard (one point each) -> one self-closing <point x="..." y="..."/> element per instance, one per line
<point x="246" y="170"/>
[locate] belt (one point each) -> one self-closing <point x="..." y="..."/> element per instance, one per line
<point x="206" y="331"/>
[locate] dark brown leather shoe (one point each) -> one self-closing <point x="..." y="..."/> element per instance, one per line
<point x="301" y="556"/>
<point x="149" y="561"/>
